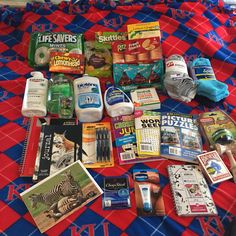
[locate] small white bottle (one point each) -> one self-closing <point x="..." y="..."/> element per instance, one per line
<point x="88" y="99"/>
<point x="35" y="97"/>
<point x="117" y="103"/>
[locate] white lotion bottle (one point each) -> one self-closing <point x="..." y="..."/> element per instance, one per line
<point x="117" y="103"/>
<point x="88" y="99"/>
<point x="35" y="97"/>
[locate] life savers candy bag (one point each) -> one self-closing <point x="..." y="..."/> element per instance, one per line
<point x="42" y="44"/>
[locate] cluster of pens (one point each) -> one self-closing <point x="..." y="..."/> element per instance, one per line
<point x="103" y="148"/>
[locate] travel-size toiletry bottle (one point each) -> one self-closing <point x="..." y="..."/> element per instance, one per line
<point x="88" y="99"/>
<point x="60" y="96"/>
<point x="35" y="97"/>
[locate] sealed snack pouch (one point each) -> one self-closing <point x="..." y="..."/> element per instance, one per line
<point x="42" y="44"/>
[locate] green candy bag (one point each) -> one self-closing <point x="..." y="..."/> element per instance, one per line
<point x="41" y="44"/>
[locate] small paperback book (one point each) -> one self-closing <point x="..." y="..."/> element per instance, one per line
<point x="116" y="193"/>
<point x="213" y="167"/>
<point x="59" y="146"/>
<point x="147" y="128"/>
<point x="191" y="193"/>
<point x="180" y="137"/>
<point x="125" y="139"/>
<point x="148" y="192"/>
<point x="58" y="196"/>
<point x="145" y="99"/>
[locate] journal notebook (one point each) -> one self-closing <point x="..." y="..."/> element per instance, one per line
<point x="191" y="194"/>
<point x="59" y="146"/>
<point x="31" y="142"/>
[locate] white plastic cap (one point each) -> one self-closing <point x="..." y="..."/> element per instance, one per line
<point x="37" y="74"/>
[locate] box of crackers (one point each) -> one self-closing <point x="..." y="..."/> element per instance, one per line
<point x="213" y="167"/>
<point x="137" y="51"/>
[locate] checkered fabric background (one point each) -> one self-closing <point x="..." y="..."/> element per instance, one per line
<point x="192" y="29"/>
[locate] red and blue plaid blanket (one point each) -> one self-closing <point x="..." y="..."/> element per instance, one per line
<point x="192" y="29"/>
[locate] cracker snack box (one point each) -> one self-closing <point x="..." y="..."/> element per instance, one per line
<point x="137" y="63"/>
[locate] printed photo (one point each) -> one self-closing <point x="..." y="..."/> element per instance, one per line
<point x="59" y="195"/>
<point x="170" y="135"/>
<point x="191" y="139"/>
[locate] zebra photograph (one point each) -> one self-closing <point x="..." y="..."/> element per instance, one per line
<point x="59" y="195"/>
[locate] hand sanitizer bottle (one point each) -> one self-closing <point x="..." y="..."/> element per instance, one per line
<point x="60" y="96"/>
<point x="35" y="97"/>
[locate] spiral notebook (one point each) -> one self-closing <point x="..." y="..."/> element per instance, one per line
<point x="191" y="194"/>
<point x="30" y="148"/>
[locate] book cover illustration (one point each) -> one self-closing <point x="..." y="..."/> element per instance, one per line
<point x="59" y="146"/>
<point x="148" y="192"/>
<point x="191" y="193"/>
<point x="180" y="137"/>
<point x="58" y="196"/>
<point x="213" y="167"/>
<point x="125" y="140"/>
<point x="147" y="128"/>
<point x="31" y="143"/>
<point x="97" y="145"/>
<point x="116" y="193"/>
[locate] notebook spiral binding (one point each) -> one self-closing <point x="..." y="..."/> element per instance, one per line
<point x="25" y="146"/>
<point x="31" y="146"/>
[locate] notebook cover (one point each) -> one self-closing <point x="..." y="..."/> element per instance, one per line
<point x="191" y="193"/>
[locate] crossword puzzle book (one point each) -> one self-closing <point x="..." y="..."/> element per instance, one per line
<point x="125" y="138"/>
<point x="180" y="137"/>
<point x="147" y="128"/>
<point x="171" y="135"/>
